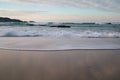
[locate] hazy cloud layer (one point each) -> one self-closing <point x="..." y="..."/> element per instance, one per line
<point x="109" y="5"/>
<point x="20" y="12"/>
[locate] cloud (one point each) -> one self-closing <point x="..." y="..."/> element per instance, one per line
<point x="108" y="5"/>
<point x="20" y="12"/>
<point x="24" y="15"/>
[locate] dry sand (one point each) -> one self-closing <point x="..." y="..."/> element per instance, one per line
<point x="60" y="65"/>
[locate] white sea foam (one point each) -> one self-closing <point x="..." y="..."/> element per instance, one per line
<point x="56" y="32"/>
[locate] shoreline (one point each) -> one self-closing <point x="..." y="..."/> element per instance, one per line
<point x="53" y="44"/>
<point x="56" y="50"/>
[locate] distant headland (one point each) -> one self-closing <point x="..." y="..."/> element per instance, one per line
<point x="6" y="19"/>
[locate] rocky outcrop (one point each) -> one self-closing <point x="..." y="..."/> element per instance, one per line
<point x="5" y="19"/>
<point x="61" y="26"/>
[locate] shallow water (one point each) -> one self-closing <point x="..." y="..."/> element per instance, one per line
<point x="40" y="43"/>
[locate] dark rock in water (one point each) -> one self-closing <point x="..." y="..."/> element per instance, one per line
<point x="5" y="19"/>
<point x="31" y="21"/>
<point x="109" y="23"/>
<point x="30" y="24"/>
<point x="61" y="26"/>
<point x="42" y="25"/>
<point x="88" y="23"/>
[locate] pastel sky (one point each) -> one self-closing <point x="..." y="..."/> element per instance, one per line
<point x="62" y="10"/>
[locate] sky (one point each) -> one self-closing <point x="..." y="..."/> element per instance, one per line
<point x="62" y="10"/>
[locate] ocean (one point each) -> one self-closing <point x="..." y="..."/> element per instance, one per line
<point x="75" y="30"/>
<point x="59" y="36"/>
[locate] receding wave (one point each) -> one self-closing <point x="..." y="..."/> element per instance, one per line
<point x="39" y="43"/>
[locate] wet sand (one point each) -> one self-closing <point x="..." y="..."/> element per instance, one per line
<point x="60" y="65"/>
<point x="47" y="43"/>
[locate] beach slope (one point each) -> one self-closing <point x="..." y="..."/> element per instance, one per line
<point x="60" y="65"/>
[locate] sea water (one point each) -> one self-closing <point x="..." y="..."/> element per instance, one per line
<point x="43" y="36"/>
<point x="80" y="30"/>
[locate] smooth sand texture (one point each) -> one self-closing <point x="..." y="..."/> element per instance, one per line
<point x="60" y="65"/>
<point x="40" y="43"/>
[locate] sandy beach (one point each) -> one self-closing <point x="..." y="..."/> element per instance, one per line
<point x="60" y="65"/>
<point x="23" y="58"/>
<point x="59" y="39"/>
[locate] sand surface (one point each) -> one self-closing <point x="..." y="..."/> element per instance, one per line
<point x="60" y="65"/>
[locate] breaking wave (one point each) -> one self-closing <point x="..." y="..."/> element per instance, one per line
<point x="76" y="30"/>
<point x="62" y="33"/>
